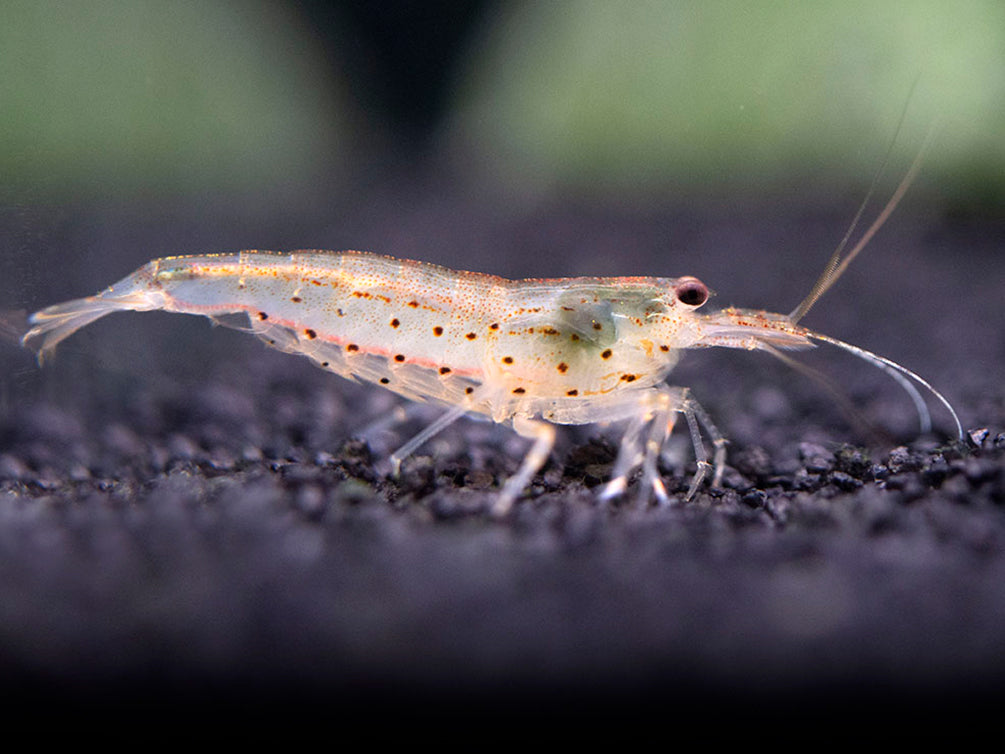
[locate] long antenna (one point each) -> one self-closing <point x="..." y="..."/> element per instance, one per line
<point x="836" y="265"/>
<point x="903" y="375"/>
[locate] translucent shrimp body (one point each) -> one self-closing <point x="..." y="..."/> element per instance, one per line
<point x="420" y="330"/>
<point x="531" y="353"/>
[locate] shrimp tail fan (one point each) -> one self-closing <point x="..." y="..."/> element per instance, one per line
<point x="52" y="325"/>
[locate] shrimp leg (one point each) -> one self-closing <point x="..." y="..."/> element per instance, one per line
<point x="444" y="421"/>
<point x="543" y="435"/>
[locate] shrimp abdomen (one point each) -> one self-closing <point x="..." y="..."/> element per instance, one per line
<point x="359" y="315"/>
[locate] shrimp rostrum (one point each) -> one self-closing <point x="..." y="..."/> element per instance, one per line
<point x="528" y="353"/>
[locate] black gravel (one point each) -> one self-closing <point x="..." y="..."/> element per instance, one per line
<point x="186" y="516"/>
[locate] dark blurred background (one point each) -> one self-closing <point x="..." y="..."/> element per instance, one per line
<point x="178" y="501"/>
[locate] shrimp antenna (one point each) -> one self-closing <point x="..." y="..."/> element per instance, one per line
<point x="901" y="374"/>
<point x="836" y="265"/>
<point x="854" y="415"/>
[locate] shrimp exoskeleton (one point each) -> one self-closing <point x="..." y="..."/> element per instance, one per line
<point x="530" y="353"/>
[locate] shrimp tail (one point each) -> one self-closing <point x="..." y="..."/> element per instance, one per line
<point x="52" y="325"/>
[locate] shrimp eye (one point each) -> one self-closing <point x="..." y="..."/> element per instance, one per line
<point x="691" y="291"/>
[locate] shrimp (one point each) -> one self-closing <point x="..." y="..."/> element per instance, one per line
<point x="529" y="353"/>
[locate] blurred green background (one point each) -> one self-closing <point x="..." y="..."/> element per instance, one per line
<point x="119" y="97"/>
<point x="113" y="100"/>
